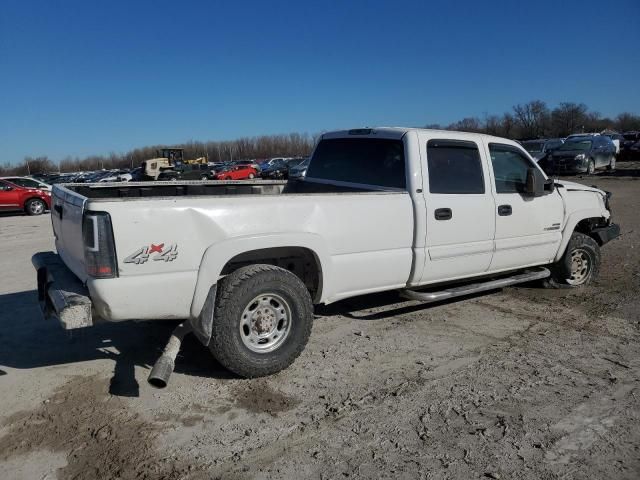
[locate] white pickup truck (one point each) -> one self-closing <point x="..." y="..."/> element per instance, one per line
<point x="243" y="263"/>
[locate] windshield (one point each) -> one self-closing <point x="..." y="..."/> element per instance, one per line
<point x="533" y="147"/>
<point x="571" y="144"/>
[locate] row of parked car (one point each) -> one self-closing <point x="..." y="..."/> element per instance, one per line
<point x="579" y="153"/>
<point x="273" y="169"/>
<point x="583" y="152"/>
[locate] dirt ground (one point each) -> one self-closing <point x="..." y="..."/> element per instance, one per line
<point x="522" y="383"/>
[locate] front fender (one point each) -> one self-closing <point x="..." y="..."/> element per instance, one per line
<point x="570" y="226"/>
<point x="217" y="255"/>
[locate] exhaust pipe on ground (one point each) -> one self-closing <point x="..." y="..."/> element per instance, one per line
<point x="163" y="368"/>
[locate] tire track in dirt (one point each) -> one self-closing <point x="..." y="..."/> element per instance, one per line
<point x="101" y="437"/>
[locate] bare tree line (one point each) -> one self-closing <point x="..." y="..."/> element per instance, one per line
<point x="530" y="120"/>
<point x="536" y="120"/>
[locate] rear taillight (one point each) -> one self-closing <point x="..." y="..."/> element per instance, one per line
<point x="99" y="247"/>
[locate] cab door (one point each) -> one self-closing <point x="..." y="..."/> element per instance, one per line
<point x="459" y="208"/>
<point x="599" y="152"/>
<point x="527" y="228"/>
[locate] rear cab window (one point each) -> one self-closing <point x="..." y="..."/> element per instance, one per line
<point x="366" y="161"/>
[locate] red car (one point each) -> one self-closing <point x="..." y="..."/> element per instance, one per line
<point x="33" y="201"/>
<point x="237" y="172"/>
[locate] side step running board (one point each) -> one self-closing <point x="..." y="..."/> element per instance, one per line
<point x="469" y="289"/>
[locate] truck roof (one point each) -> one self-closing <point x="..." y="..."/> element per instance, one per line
<point x="399" y="132"/>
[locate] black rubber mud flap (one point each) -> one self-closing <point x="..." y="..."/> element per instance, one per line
<point x="202" y="325"/>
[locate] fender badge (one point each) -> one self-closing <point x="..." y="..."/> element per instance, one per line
<point x="142" y="255"/>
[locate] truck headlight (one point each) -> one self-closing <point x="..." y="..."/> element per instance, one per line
<point x="580" y="156"/>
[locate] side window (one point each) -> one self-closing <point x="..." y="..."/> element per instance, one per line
<point x="509" y="168"/>
<point x="3" y="186"/>
<point x="552" y="145"/>
<point x="454" y="167"/>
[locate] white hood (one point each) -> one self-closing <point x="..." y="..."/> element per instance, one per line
<point x="578" y="186"/>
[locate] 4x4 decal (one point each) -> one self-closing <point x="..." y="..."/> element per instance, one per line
<point x="155" y="252"/>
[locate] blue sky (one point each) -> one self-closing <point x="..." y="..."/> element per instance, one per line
<point x="83" y="77"/>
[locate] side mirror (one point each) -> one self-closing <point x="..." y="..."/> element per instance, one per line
<point x="531" y="185"/>
<point x="549" y="185"/>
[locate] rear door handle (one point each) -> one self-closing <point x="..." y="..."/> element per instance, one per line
<point x="443" y="214"/>
<point x="504" y="210"/>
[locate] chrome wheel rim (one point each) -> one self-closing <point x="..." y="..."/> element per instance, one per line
<point x="580" y="267"/>
<point x="265" y="323"/>
<point x="592" y="167"/>
<point x="36" y="208"/>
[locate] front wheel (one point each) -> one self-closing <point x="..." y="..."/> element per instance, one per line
<point x="591" y="168"/>
<point x="612" y="164"/>
<point x="251" y="176"/>
<point x="35" y="206"/>
<point x="262" y="320"/>
<point x="580" y="263"/>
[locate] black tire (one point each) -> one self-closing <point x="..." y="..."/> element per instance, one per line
<point x="235" y="295"/>
<point x="587" y="255"/>
<point x="251" y="176"/>
<point x="35" y="206"/>
<point x="591" y="167"/>
<point x="612" y="164"/>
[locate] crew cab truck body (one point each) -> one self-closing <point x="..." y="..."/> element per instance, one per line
<point x="380" y="209"/>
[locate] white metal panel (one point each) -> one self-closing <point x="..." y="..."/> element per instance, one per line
<point x="372" y="228"/>
<point x="462" y="245"/>
<point x="66" y="217"/>
<point x="532" y="234"/>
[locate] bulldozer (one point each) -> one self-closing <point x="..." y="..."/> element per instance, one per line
<point x="167" y="158"/>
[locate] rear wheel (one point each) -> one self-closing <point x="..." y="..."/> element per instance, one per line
<point x="204" y="177"/>
<point x="251" y="176"/>
<point x="262" y="320"/>
<point x="580" y="263"/>
<point x="35" y="206"/>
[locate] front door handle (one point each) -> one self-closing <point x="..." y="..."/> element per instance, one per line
<point x="504" y="210"/>
<point x="443" y="214"/>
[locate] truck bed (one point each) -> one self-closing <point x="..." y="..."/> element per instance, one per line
<point x="205" y="188"/>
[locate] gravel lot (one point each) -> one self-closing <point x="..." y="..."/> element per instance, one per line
<point x="520" y="383"/>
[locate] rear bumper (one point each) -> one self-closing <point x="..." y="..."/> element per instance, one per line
<point x="61" y="295"/>
<point x="605" y="234"/>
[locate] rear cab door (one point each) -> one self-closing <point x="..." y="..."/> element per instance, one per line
<point x="460" y="208"/>
<point x="527" y="229"/>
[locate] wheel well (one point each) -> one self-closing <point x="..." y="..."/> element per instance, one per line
<point x="587" y="225"/>
<point x="24" y="205"/>
<point x="300" y="261"/>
